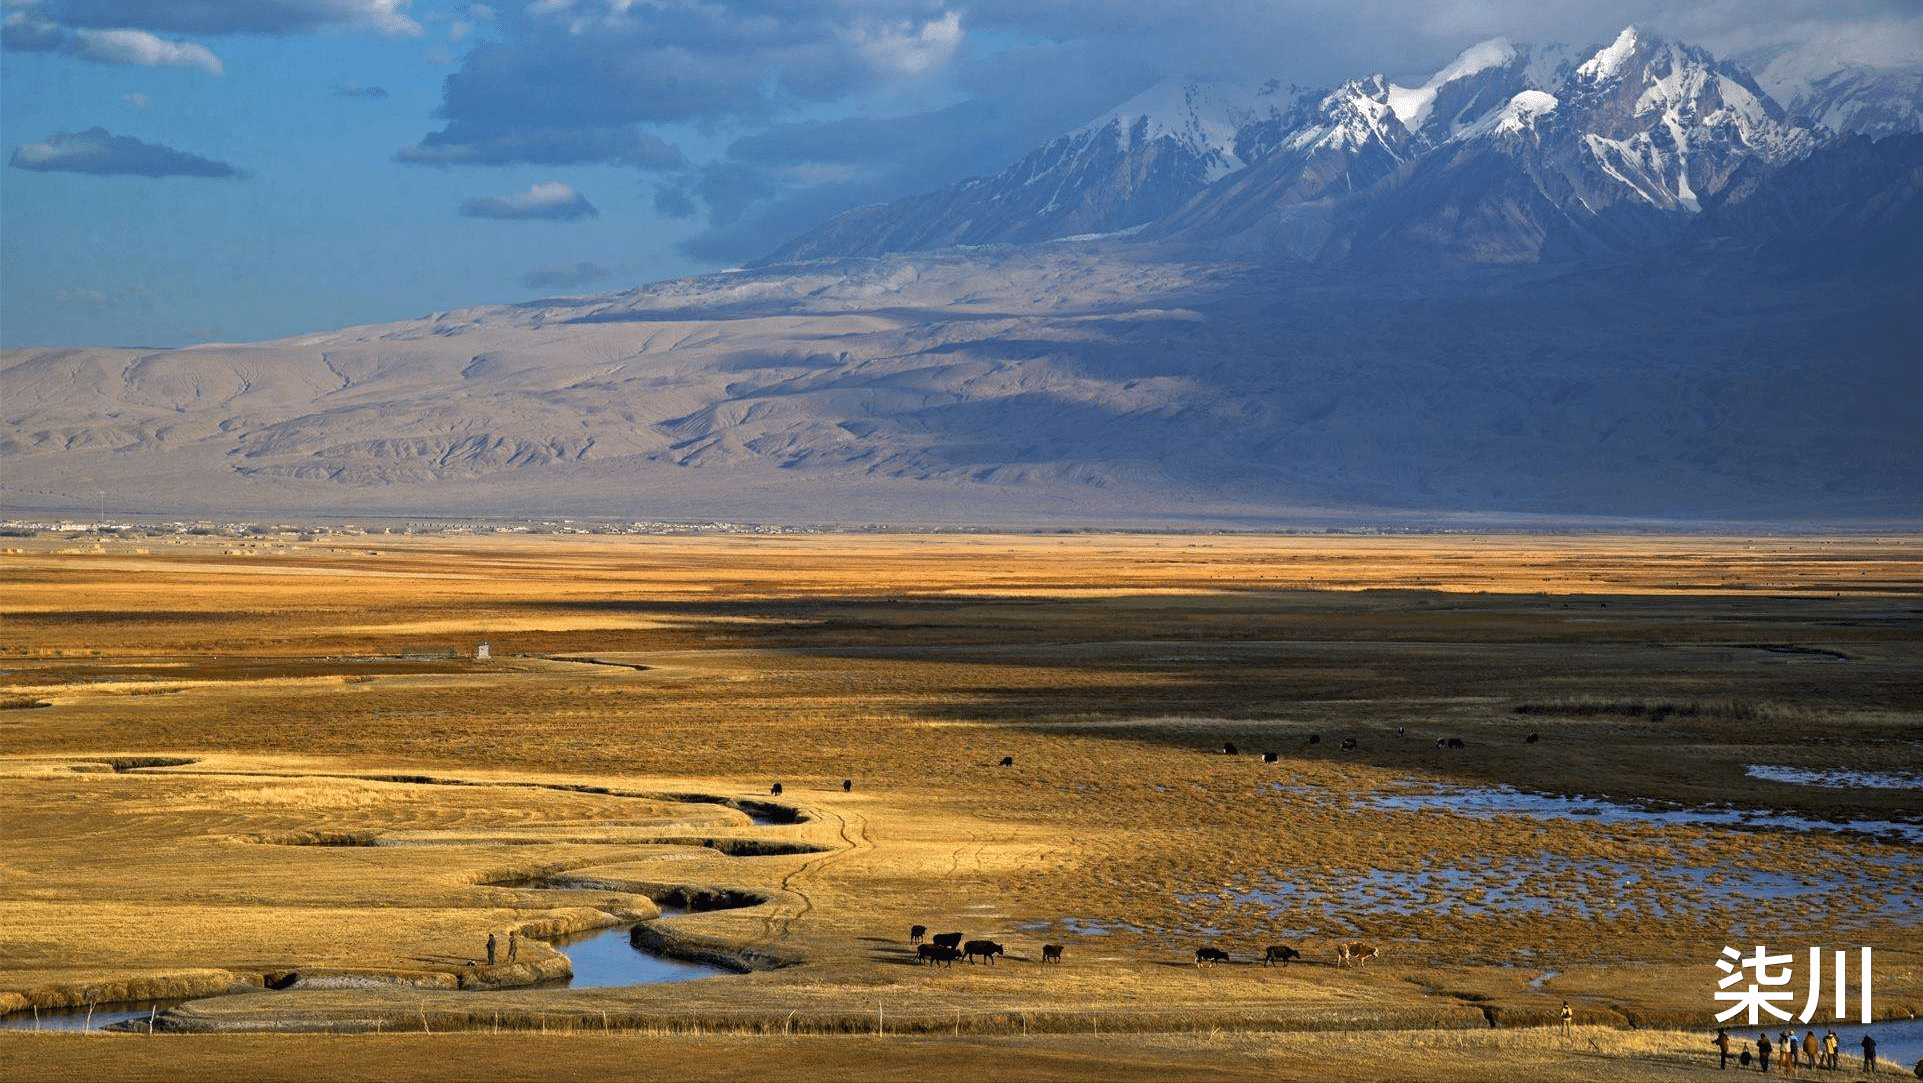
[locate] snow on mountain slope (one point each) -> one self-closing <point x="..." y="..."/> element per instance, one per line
<point x="1123" y="170"/>
<point x="1855" y="98"/>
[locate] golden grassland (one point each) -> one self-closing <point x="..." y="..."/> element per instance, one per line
<point x="218" y="732"/>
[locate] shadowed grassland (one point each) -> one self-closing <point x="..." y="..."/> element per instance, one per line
<point x="243" y="772"/>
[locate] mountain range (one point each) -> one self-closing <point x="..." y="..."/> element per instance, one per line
<point x="1632" y="280"/>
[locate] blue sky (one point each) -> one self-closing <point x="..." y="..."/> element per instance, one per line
<point x="201" y="170"/>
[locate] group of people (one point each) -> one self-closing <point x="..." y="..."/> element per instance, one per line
<point x="1815" y="1052"/>
<point x="494" y="946"/>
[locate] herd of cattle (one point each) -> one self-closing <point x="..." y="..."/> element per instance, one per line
<point x="1350" y="744"/>
<point x="943" y="949"/>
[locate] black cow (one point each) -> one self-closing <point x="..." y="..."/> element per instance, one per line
<point x="1456" y="742"/>
<point x="1315" y="738"/>
<point x="987" y="949"/>
<point x="1279" y="953"/>
<point x="1228" y="748"/>
<point x="1348" y="744"/>
<point x="847" y="784"/>
<point x="775" y="789"/>
<point x="933" y="954"/>
<point x="1532" y="738"/>
<point x="1051" y="953"/>
<point x="1270" y="757"/>
<point x="1211" y="956"/>
<point x="916" y="933"/>
<point x="1008" y="761"/>
<point x="948" y="940"/>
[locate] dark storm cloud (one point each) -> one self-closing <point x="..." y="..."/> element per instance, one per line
<point x="600" y="67"/>
<point x="101" y="153"/>
<point x="565" y="276"/>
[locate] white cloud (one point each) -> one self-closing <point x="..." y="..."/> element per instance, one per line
<point x="140" y="47"/>
<point x="908" y="50"/>
<point x="274" y="17"/>
<point x="137" y="100"/>
<point x="549" y="200"/>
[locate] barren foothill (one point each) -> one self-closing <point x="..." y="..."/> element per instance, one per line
<point x="293" y="764"/>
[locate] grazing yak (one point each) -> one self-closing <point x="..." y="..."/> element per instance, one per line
<point x="936" y="954"/>
<point x="948" y="940"/>
<point x="1400" y="732"/>
<point x="1532" y="738"/>
<point x="987" y="949"/>
<point x="1354" y="953"/>
<point x="1211" y="956"/>
<point x="916" y="933"/>
<point x="1008" y="761"/>
<point x="1315" y="738"/>
<point x="775" y="789"/>
<point x="847" y="785"/>
<point x="1279" y="953"/>
<point x="1270" y="757"/>
<point x="1052" y="953"/>
<point x="1456" y="742"/>
<point x="1228" y="748"/>
<point x="1348" y="744"/>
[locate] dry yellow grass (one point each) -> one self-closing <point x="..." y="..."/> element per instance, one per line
<point x="1109" y="668"/>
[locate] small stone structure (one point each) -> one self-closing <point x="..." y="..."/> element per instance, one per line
<point x="481" y="653"/>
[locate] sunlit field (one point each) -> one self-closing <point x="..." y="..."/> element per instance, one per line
<point x="275" y="777"/>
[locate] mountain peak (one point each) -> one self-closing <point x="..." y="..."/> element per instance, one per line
<point x="1203" y="116"/>
<point x="1612" y="58"/>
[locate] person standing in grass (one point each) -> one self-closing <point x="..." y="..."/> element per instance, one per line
<point x="1830" y="1046"/>
<point x="491" y="945"/>
<point x="1869" y="1053"/>
<point x="1764" y="1047"/>
<point x="1810" y="1048"/>
<point x="1721" y="1042"/>
<point x="1745" y="1058"/>
<point x="1568" y="1018"/>
<point x="513" y="944"/>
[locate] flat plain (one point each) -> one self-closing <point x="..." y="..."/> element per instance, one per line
<point x="233" y="765"/>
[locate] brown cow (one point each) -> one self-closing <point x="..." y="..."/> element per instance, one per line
<point x="1052" y="953"/>
<point x="1355" y="952"/>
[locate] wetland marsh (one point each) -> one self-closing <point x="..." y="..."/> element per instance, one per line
<point x="251" y="769"/>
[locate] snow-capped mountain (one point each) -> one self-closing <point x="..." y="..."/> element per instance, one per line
<point x="1847" y="99"/>
<point x="1509" y="153"/>
<point x="1128" y="167"/>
